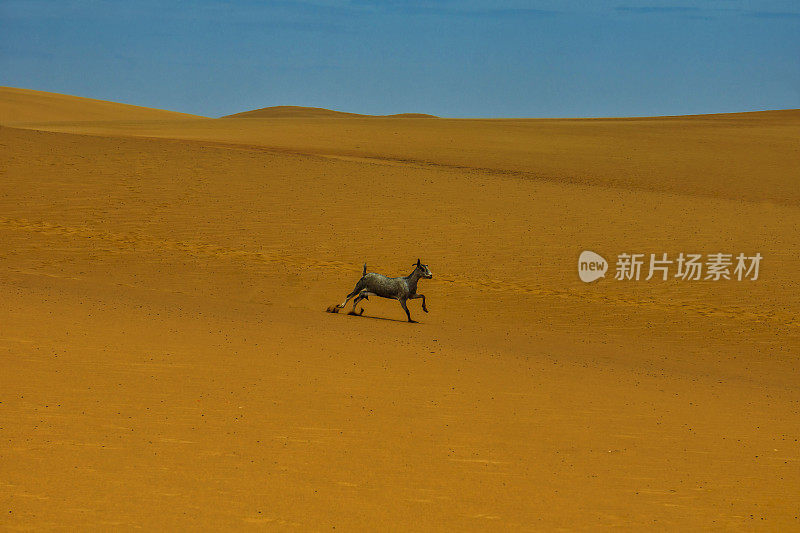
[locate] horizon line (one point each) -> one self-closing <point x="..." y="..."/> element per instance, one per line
<point x="430" y="116"/>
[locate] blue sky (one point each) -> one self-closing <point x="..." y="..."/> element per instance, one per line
<point x="472" y="58"/>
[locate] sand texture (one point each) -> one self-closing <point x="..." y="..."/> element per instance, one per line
<point x="168" y="362"/>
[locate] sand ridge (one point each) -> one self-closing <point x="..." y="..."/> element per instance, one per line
<point x="290" y="111"/>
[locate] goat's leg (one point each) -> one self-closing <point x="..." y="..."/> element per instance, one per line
<point x="362" y="296"/>
<point x="423" y="300"/>
<point x="405" y="308"/>
<point x="347" y="299"/>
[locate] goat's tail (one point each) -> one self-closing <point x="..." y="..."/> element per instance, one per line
<point x="365" y="270"/>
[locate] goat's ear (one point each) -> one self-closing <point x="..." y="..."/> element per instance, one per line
<point x="418" y="263"/>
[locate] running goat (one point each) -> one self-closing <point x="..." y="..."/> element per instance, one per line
<point x="400" y="289"/>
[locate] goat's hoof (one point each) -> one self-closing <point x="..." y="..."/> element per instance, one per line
<point x="412" y="321"/>
<point x="425" y="309"/>
<point x="332" y="309"/>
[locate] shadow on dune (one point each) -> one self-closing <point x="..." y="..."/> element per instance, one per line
<point x="334" y="310"/>
<point x="385" y="318"/>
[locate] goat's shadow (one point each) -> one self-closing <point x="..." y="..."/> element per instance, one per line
<point x="372" y="317"/>
<point x="387" y="319"/>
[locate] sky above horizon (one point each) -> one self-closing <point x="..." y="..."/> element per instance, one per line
<point x="471" y="58"/>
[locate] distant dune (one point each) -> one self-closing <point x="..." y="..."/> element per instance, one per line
<point x="26" y="105"/>
<point x="291" y="111"/>
<point x="768" y="114"/>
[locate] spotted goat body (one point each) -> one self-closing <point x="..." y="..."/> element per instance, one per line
<point x="401" y="289"/>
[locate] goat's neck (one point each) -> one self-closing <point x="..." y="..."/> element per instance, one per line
<point x="413" y="278"/>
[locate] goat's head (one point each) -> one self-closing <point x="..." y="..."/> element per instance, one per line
<point x="425" y="272"/>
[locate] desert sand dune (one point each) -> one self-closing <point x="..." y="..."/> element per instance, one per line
<point x="25" y="105"/>
<point x="714" y="156"/>
<point x="291" y="111"/>
<point x="168" y="360"/>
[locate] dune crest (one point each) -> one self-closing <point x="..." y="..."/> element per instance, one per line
<point x="292" y="111"/>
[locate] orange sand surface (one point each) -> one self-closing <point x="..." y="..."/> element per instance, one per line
<point x="168" y="362"/>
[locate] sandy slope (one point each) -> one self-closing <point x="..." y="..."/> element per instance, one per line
<point x="712" y="155"/>
<point x="26" y="105"/>
<point x="168" y="361"/>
